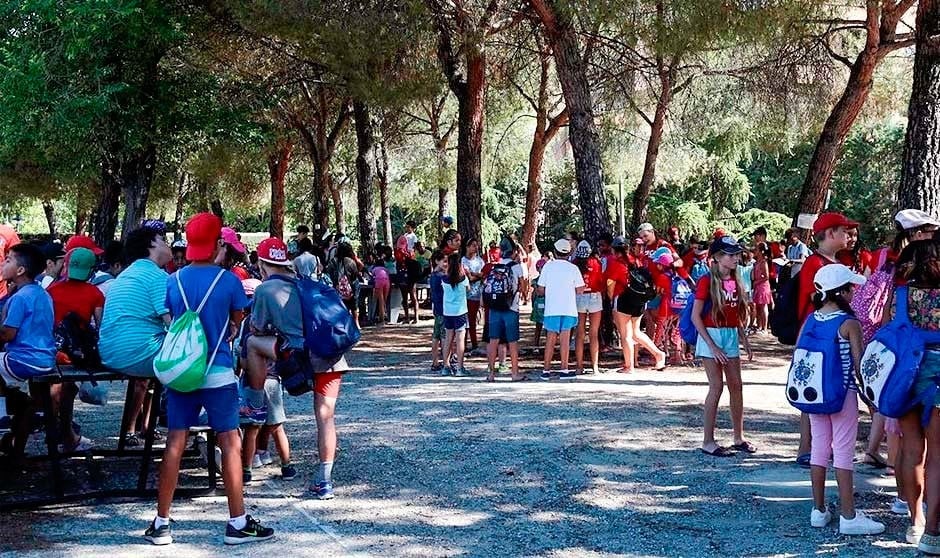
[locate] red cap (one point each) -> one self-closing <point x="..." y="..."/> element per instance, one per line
<point x="273" y="251"/>
<point x="719" y="233"/>
<point x="230" y="237"/>
<point x="202" y="236"/>
<point x="832" y="220"/>
<point x="82" y="241"/>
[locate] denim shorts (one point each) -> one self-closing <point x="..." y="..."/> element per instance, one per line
<point x="457" y="323"/>
<point x="504" y="324"/>
<point x="725" y="337"/>
<point x="557" y="324"/>
<point x="221" y="405"/>
<point x="590" y="303"/>
<point x="927" y="373"/>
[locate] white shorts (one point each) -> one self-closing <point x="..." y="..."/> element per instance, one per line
<point x="589" y="303"/>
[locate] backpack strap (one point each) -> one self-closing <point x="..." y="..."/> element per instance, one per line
<point x="209" y="292"/>
<point x="900" y="301"/>
<point x="217" y="344"/>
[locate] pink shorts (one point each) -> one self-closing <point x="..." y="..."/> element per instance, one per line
<point x="327" y="384"/>
<point x="834" y="435"/>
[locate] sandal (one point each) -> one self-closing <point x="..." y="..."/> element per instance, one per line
<point x="520" y="379"/>
<point x="804" y="460"/>
<point x="719" y="451"/>
<point x="745" y="446"/>
<point x="876" y="462"/>
<point x="491" y="378"/>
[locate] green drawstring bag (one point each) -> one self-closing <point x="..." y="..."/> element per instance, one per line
<point x="183" y="360"/>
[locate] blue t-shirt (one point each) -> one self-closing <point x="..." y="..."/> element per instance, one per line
<point x="227" y="296"/>
<point x="29" y="310"/>
<point x="455" y="298"/>
<point x="436" y="282"/>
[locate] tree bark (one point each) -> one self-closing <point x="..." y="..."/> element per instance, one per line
<point x="642" y="194"/>
<point x="278" y="161"/>
<point x="920" y="176"/>
<point x="49" y="210"/>
<point x="106" y="211"/>
<point x="339" y="211"/>
<point x="365" y="177"/>
<point x="215" y="206"/>
<point x="81" y="218"/>
<point x="582" y="132"/>
<point x="381" y="169"/>
<point x="136" y="180"/>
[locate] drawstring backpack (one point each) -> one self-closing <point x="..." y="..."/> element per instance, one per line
<point x="869" y="300"/>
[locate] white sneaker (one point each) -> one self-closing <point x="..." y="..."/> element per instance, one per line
<point x="265" y="457"/>
<point x="256" y="462"/>
<point x="819" y="519"/>
<point x="860" y="525"/>
<point x="899" y="507"/>
<point x="914" y="533"/>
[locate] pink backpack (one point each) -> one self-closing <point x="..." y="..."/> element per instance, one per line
<point x="869" y="300"/>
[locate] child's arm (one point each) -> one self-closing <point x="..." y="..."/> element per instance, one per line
<point x="7" y="334"/>
<point x="742" y="334"/>
<point x="852" y="331"/>
<point x="886" y="311"/>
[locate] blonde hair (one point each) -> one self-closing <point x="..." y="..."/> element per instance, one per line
<point x="716" y="292"/>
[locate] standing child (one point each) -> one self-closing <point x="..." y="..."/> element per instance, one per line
<point x="834" y="435"/>
<point x="560" y="283"/>
<point x="762" y="295"/>
<point x="746" y="273"/>
<point x="382" y="285"/>
<point x="455" y="289"/>
<point x="538" y="304"/>
<point x="436" y="284"/>
<point x="720" y="334"/>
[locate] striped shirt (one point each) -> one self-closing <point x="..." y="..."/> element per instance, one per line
<point x="132" y="328"/>
<point x="845" y="352"/>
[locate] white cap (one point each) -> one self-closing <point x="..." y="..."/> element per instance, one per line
<point x="833" y="276"/>
<point x="562" y="246"/>
<point x="645" y="227"/>
<point x="914" y="218"/>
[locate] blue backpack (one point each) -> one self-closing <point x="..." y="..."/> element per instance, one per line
<point x="681" y="294"/>
<point x="816" y="382"/>
<point x="891" y="361"/>
<point x="686" y="328"/>
<point x="329" y="328"/>
<point x="699" y="270"/>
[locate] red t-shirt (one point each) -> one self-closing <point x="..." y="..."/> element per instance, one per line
<point x="75" y="296"/>
<point x="864" y="260"/>
<point x="663" y="283"/>
<point x="8" y="239"/>
<point x="729" y="316"/>
<point x="593" y="277"/>
<point x="806" y="287"/>
<point x="617" y="272"/>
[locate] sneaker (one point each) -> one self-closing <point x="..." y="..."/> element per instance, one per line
<point x="899" y="507"/>
<point x="436" y="367"/>
<point x="256" y="461"/>
<point x="252" y="532"/>
<point x="914" y="534"/>
<point x="252" y="415"/>
<point x="567" y="375"/>
<point x="83" y="445"/>
<point x="246" y="476"/>
<point x="265" y="457"/>
<point x="158" y="535"/>
<point x="288" y="472"/>
<point x="132" y="440"/>
<point x="545" y="375"/>
<point x="819" y="519"/>
<point x="861" y="524"/>
<point x="322" y="490"/>
<point x="588" y="372"/>
<point x="503" y="368"/>
<point x="929" y="544"/>
<point x="460" y="372"/>
<point x="445" y="371"/>
<point x="218" y="459"/>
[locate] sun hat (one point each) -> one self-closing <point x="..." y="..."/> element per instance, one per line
<point x="80" y="262"/>
<point x="727" y="245"/>
<point x="833" y="276"/>
<point x="202" y="233"/>
<point x="832" y="220"/>
<point x="664" y="258"/>
<point x="82" y="241"/>
<point x="562" y="246"/>
<point x="583" y="250"/>
<point x="914" y="218"/>
<point x="273" y="251"/>
<point x="230" y="237"/>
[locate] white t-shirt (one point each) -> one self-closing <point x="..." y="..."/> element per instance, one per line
<point x="412" y="238"/>
<point x="455" y="298"/>
<point x="474" y="265"/>
<point x="560" y="279"/>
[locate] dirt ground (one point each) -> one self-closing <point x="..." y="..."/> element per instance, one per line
<point x="606" y="465"/>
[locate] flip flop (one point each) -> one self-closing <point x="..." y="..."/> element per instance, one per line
<point x="490" y="379"/>
<point x="745" y="446"/>
<point x="520" y="379"/>
<point x="718" y="452"/>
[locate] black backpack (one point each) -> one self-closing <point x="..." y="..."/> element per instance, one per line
<point x="785" y="320"/>
<point x="77" y="340"/>
<point x="499" y="288"/>
<point x="641" y="289"/>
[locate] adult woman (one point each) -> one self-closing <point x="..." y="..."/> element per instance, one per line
<point x="590" y="304"/>
<point x="628" y="309"/>
<point x="473" y="267"/>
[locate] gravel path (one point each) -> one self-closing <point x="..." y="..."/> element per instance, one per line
<point x="606" y="465"/>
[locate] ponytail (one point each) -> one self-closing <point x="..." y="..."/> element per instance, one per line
<point x="835" y="295"/>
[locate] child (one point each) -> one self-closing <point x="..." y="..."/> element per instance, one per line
<point x="720" y="333"/>
<point x="26" y="336"/>
<point x="436" y="282"/>
<point x="382" y="285"/>
<point x="455" y="289"/>
<point x="538" y="304"/>
<point x="762" y="295"/>
<point x="834" y="435"/>
<point x="746" y="273"/>
<point x="590" y="305"/>
<point x="666" y="333"/>
<point x="560" y="283"/>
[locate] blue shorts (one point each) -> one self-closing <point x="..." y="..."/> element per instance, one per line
<point x="725" y="337"/>
<point x="221" y="405"/>
<point x="557" y="324"/>
<point x="458" y="323"/>
<point x="504" y="324"/>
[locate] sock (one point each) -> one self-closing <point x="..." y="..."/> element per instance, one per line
<point x="160" y="521"/>
<point x="238" y="522"/>
<point x="255" y="397"/>
<point x="325" y="472"/>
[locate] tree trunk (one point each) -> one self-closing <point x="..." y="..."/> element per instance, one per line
<point x="339" y="211"/>
<point x="136" y="180"/>
<point x="49" y="210"/>
<point x="81" y="218"/>
<point x="920" y="176"/>
<point x="381" y="169"/>
<point x="106" y="212"/>
<point x="470" y="121"/>
<point x="278" y="162"/>
<point x="215" y="206"/>
<point x="365" y="177"/>
<point x="582" y="133"/>
<point x="181" y="191"/>
<point x="642" y="194"/>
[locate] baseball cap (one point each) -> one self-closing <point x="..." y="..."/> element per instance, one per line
<point x="447" y="220"/>
<point x="833" y="276"/>
<point x="832" y="220"/>
<point x="725" y="244"/>
<point x="645" y="227"/>
<point x="230" y="237"/>
<point x="914" y="218"/>
<point x="638" y="241"/>
<point x="202" y="233"/>
<point x="82" y="241"/>
<point x="562" y="246"/>
<point x="664" y="259"/>
<point x="719" y="233"/>
<point x="80" y="262"/>
<point x="53" y="250"/>
<point x="178" y="244"/>
<point x="273" y="251"/>
<point x="583" y="250"/>
<point x="618" y="242"/>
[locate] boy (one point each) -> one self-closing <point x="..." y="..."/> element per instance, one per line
<point x="276" y="334"/>
<point x="55" y="257"/>
<point x="436" y="282"/>
<point x="26" y="335"/>
<point x="504" y="324"/>
<point x="560" y="283"/>
<point x="220" y="317"/>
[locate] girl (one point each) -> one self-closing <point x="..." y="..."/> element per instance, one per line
<point x="746" y="273"/>
<point x="590" y="303"/>
<point x="762" y="294"/>
<point x="719" y="336"/>
<point x="628" y="312"/>
<point x="436" y="288"/>
<point x="666" y="331"/>
<point x="473" y="268"/>
<point x="455" y="290"/>
<point x="382" y="286"/>
<point x="834" y="435"/>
